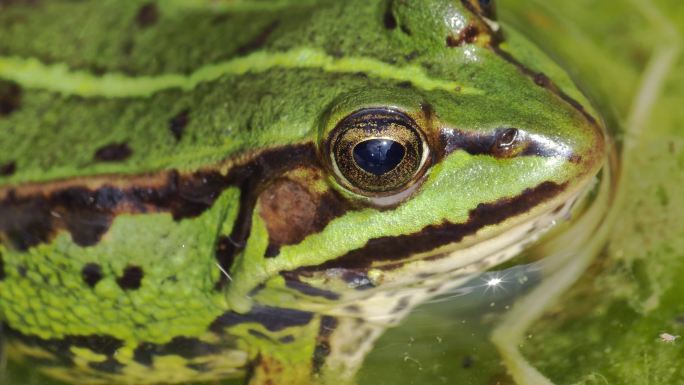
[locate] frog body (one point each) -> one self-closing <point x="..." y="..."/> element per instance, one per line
<point x="199" y="190"/>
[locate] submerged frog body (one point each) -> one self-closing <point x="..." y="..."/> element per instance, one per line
<point x="194" y="191"/>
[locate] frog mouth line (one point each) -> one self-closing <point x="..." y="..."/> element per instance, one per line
<point x="398" y="248"/>
<point x="447" y="270"/>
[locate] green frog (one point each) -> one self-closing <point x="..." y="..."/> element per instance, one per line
<point x="199" y="190"/>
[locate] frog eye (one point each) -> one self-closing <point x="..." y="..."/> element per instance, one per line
<point x="377" y="152"/>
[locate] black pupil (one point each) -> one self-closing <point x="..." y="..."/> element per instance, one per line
<point x="378" y="156"/>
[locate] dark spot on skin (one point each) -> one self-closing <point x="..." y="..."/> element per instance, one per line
<point x="286" y="339"/>
<point x="403" y="303"/>
<point x="388" y="18"/>
<point x="321" y="352"/>
<point x="428" y="111"/>
<point x="8" y="169"/>
<point x="114" y="152"/>
<point x="328" y="326"/>
<point x="91" y="274"/>
<point x="322" y="348"/>
<point x="177" y="124"/>
<point x="10" y="97"/>
<point x="541" y="80"/>
<point x="353" y="309"/>
<point x="272" y="318"/>
<point x="272" y="251"/>
<point x="467" y="362"/>
<point x="405" y="29"/>
<point x="404" y="85"/>
<point x="393" y="248"/>
<point x="468" y="35"/>
<point x="148" y="15"/>
<point x="409" y="57"/>
<point x="259" y="335"/>
<point x="199" y="367"/>
<point x="22" y="270"/>
<point x="186" y="347"/>
<point x="293" y="282"/>
<point x="131" y="278"/>
<point x="337" y="53"/>
<point x="220" y="18"/>
<point x="110" y="365"/>
<point x="2" y="268"/>
<point x="258" y="41"/>
<point x="257" y="289"/>
<point x="127" y="47"/>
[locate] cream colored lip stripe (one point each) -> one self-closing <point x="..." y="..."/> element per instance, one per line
<point x="31" y="73"/>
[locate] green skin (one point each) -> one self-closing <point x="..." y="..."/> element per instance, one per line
<point x="152" y="144"/>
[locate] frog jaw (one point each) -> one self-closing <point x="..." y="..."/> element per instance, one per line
<point x="433" y="268"/>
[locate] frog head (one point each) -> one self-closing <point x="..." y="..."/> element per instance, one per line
<point x="331" y="151"/>
<point x="453" y="169"/>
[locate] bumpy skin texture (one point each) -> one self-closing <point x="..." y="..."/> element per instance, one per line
<point x="156" y="140"/>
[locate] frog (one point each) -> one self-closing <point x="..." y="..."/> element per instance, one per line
<point x="202" y="190"/>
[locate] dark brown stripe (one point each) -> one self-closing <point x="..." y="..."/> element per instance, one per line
<point x="177" y="124"/>
<point x="186" y="347"/>
<point x="109" y="365"/>
<point x="395" y="248"/>
<point x="322" y="348"/>
<point x="131" y="278"/>
<point x="292" y="281"/>
<point x="272" y="318"/>
<point x="28" y="219"/>
<point x="61" y="348"/>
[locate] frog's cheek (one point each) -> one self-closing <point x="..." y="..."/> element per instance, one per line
<point x="297" y="204"/>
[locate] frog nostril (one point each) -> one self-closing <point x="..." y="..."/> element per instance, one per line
<point x="507" y="138"/>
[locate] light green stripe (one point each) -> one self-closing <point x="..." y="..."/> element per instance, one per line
<point x="31" y="73"/>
